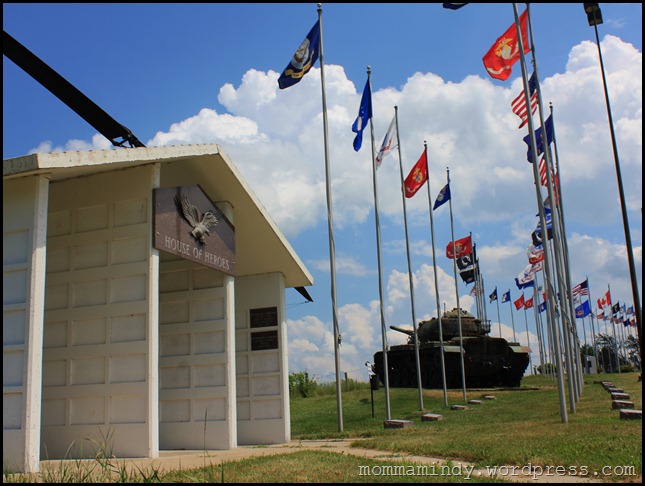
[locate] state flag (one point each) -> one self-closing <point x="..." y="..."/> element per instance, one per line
<point x="364" y="114"/>
<point x="583" y="310"/>
<point x="493" y="296"/>
<point x="548" y="125"/>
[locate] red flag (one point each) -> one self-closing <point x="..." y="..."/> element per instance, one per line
<point x="463" y="247"/>
<point x="528" y="303"/>
<point x="519" y="303"/>
<point x="604" y="300"/>
<point x="505" y="52"/>
<point x="417" y="176"/>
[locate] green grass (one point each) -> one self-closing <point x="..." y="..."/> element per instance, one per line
<point x="319" y="467"/>
<point x="518" y="428"/>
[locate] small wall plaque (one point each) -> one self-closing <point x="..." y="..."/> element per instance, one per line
<point x="264" y="317"/>
<point x="264" y="340"/>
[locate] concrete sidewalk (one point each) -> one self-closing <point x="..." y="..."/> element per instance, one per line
<point x="174" y="460"/>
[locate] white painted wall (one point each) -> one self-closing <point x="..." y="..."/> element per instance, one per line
<point x="263" y="415"/>
<point x="24" y="210"/>
<point x="98" y="369"/>
<point x="195" y="360"/>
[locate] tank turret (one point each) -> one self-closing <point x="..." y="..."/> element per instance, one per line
<point x="429" y="330"/>
<point x="488" y="361"/>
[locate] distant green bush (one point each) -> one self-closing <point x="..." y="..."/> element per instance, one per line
<point x="301" y="384"/>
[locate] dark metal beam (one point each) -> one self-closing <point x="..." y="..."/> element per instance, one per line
<point x="67" y="93"/>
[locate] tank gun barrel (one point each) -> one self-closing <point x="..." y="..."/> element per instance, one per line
<point x="404" y="331"/>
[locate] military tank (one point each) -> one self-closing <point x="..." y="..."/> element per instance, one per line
<point x="488" y="361"/>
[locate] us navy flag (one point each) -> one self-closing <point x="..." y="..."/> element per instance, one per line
<point x="303" y="59"/>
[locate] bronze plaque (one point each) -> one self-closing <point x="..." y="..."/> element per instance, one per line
<point x="264" y="340"/>
<point x="265" y="317"/>
<point x="188" y="224"/>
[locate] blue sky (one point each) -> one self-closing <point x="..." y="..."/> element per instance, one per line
<point x="207" y="73"/>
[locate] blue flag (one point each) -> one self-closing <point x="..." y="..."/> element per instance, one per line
<point x="303" y="59"/>
<point x="444" y="195"/>
<point x="506" y="297"/>
<point x="542" y="307"/>
<point x="454" y="6"/>
<point x="493" y="296"/>
<point x="583" y="309"/>
<point x="548" y="123"/>
<point x="364" y="114"/>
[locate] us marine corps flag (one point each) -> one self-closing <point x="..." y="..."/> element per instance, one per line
<point x="505" y="52"/>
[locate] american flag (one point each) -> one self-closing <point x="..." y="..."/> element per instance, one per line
<point x="543" y="178"/>
<point x="519" y="104"/>
<point x="581" y="289"/>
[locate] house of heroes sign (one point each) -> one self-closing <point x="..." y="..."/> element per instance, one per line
<point x="188" y="224"/>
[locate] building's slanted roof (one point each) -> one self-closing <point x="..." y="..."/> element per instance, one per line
<point x="260" y="245"/>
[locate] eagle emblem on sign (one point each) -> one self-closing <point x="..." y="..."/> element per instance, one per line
<point x="201" y="224"/>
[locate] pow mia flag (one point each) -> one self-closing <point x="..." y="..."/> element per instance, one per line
<point x="466" y="268"/>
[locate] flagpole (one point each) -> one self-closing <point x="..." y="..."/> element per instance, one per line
<point x="536" y="317"/>
<point x="538" y="333"/>
<point x="526" y="324"/>
<point x="436" y="285"/>
<point x="595" y="349"/>
<point x="499" y="320"/>
<point x="410" y="275"/>
<point x="378" y="256"/>
<point x="454" y="269"/>
<point x="560" y="272"/>
<point x="475" y="270"/>
<point x="557" y="211"/>
<point x="330" y="227"/>
<point x="593" y="16"/>
<point x="547" y="268"/>
<point x="510" y="301"/>
<point x="613" y="329"/>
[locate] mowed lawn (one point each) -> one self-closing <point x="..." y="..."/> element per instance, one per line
<point x="520" y="427"/>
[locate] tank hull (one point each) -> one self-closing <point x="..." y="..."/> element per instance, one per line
<point x="488" y="362"/>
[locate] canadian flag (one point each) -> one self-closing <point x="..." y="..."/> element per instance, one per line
<point x="605" y="300"/>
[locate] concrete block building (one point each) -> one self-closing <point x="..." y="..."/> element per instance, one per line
<point x="143" y="303"/>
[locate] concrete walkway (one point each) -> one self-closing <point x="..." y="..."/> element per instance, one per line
<point x="173" y="460"/>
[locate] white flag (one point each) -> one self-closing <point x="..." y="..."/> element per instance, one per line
<point x="390" y="142"/>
